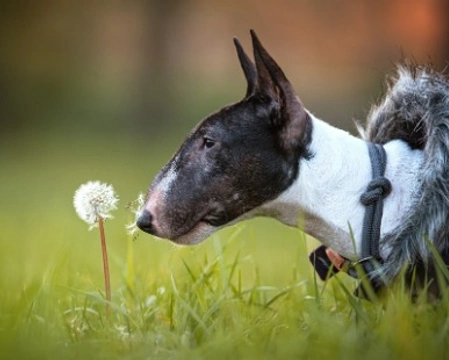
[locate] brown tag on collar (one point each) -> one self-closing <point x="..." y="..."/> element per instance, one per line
<point x="336" y="259"/>
<point x="323" y="266"/>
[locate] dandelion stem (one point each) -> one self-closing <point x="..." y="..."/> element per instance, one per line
<point x="107" y="279"/>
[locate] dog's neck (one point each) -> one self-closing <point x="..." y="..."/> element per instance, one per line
<point x="326" y="194"/>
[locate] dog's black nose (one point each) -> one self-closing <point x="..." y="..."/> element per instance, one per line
<point x="144" y="222"/>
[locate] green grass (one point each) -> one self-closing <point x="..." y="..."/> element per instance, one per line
<point x="249" y="292"/>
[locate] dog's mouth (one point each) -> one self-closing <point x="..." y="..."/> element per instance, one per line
<point x="197" y="234"/>
<point x="215" y="218"/>
<point x="199" y="230"/>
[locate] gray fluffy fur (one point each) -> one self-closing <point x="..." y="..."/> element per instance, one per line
<point x="416" y="110"/>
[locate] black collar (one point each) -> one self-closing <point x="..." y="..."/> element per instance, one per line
<point x="370" y="264"/>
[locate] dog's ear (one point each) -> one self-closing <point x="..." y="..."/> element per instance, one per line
<point x="290" y="117"/>
<point x="248" y="68"/>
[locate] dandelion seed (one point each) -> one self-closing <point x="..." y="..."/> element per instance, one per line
<point x="186" y="339"/>
<point x="94" y="200"/>
<point x="136" y="208"/>
<point x="150" y="300"/>
<point x="122" y="331"/>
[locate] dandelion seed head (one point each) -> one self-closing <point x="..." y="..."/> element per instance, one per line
<point x="93" y="200"/>
<point x="136" y="207"/>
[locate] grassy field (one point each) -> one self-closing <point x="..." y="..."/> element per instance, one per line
<point x="249" y="292"/>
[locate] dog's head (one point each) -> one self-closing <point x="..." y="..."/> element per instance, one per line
<point x="234" y="161"/>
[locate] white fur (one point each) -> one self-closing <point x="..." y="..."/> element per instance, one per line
<point x="155" y="202"/>
<point x="329" y="186"/>
<point x="167" y="180"/>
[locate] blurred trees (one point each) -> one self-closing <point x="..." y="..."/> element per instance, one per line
<point x="125" y="65"/>
<point x="156" y="91"/>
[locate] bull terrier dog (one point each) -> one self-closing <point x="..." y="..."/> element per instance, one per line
<point x="379" y="199"/>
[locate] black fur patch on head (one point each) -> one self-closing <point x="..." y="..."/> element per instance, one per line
<point x="244" y="167"/>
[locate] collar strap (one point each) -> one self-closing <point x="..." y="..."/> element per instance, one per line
<point x="327" y="262"/>
<point x="373" y="200"/>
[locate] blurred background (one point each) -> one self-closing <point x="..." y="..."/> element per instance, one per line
<point x="108" y="90"/>
<point x="155" y="67"/>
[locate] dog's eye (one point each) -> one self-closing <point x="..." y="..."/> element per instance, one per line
<point x="208" y="143"/>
